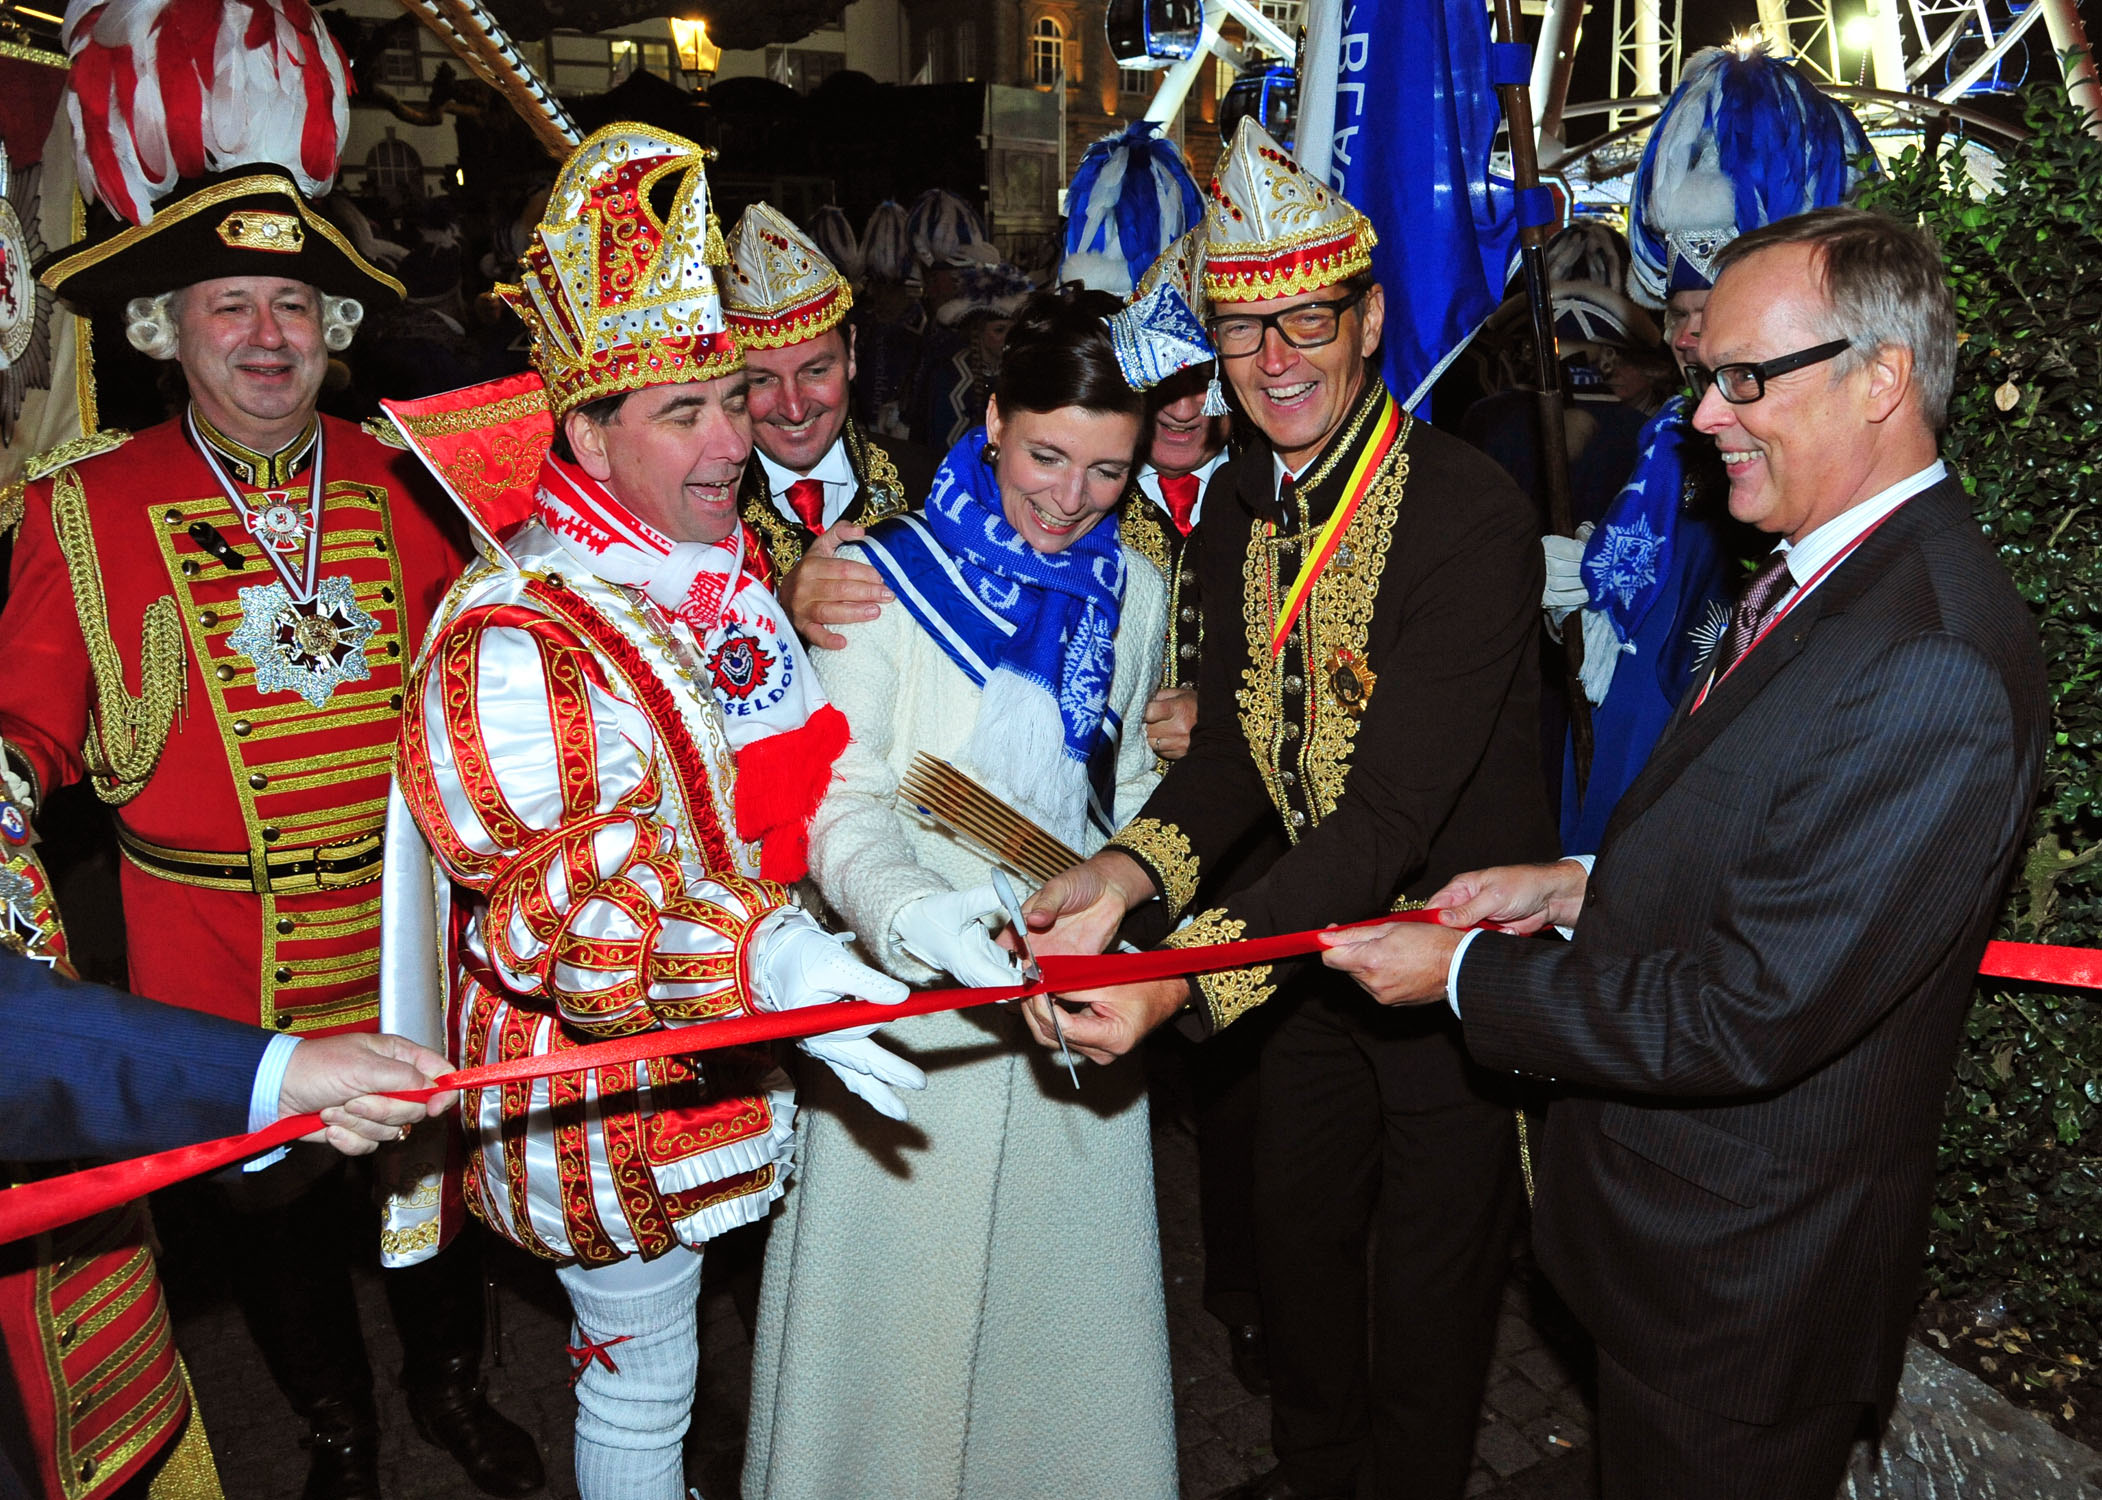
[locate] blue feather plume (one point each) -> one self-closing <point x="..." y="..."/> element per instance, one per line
<point x="1131" y="199"/>
<point x="1744" y="140"/>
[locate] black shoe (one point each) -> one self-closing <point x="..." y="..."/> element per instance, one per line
<point x="1270" y="1486"/>
<point x="345" y="1452"/>
<point x="1251" y="1357"/>
<point x="498" y="1455"/>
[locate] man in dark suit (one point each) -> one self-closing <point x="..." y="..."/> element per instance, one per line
<point x="89" y="1071"/>
<point x="1756" y="1020"/>
<point x="1368" y="703"/>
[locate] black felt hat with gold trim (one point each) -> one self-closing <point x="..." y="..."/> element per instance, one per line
<point x="246" y="221"/>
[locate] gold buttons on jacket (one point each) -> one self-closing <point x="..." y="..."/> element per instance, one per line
<point x="284" y="926"/>
<point x="1291" y="731"/>
<point x="208" y="618"/>
<point x="259" y="779"/>
<point x="1294" y="682"/>
<point x="223" y="672"/>
<point x="1298" y="818"/>
<point x="242" y="727"/>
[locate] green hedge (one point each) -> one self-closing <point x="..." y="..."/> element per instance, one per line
<point x="2018" y="1203"/>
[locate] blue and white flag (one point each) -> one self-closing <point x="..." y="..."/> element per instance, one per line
<point x="1414" y="114"/>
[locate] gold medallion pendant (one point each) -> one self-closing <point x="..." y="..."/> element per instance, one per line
<point x="1350" y="680"/>
<point x="309" y="647"/>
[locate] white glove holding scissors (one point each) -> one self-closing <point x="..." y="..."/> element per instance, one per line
<point x="952" y="931"/>
<point x="801" y="965"/>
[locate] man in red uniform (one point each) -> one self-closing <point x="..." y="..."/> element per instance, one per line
<point x="209" y="622"/>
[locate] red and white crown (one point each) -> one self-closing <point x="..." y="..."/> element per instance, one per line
<point x="619" y="283"/>
<point x="780" y="288"/>
<point x="1272" y="230"/>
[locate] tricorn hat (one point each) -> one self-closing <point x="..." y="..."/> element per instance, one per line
<point x="248" y="221"/>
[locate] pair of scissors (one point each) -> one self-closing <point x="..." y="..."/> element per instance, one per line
<point x="1031" y="971"/>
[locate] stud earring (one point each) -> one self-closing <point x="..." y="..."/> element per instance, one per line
<point x="989" y="454"/>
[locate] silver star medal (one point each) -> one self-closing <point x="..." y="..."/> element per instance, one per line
<point x="309" y="648"/>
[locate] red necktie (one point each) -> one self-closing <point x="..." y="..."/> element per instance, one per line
<point x="1180" y="491"/>
<point x="807" y="498"/>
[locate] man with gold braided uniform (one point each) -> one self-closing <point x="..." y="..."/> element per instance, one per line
<point x="210" y="623"/>
<point x="816" y="478"/>
<point x="1368" y="691"/>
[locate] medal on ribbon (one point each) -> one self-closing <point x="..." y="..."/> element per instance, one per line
<point x="303" y="633"/>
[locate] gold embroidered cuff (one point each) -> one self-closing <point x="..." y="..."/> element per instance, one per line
<point x="1165" y="850"/>
<point x="1230" y="993"/>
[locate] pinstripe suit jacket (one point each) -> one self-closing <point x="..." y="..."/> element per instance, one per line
<point x="1757" y="1020"/>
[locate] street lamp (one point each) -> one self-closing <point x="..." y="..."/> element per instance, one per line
<point x="698" y="57"/>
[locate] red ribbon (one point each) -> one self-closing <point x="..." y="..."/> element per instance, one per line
<point x="37" y="1207"/>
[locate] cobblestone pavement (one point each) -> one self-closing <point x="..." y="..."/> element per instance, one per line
<point x="1533" y="1443"/>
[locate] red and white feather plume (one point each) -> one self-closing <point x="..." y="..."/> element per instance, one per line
<point x="162" y="90"/>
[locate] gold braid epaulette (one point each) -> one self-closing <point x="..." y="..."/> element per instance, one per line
<point x="125" y="734"/>
<point x="383" y="429"/>
<point x="14" y="497"/>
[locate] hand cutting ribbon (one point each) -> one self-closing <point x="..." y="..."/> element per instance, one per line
<point x="37" y="1207"/>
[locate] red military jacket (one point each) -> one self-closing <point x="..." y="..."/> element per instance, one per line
<point x="251" y="817"/>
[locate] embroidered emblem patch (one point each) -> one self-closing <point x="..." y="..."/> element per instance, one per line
<point x="740" y="666"/>
<point x="1625" y="561"/>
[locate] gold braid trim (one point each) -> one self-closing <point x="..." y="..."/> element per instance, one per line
<point x="1165" y="850"/>
<point x="383" y="428"/>
<point x="73" y="451"/>
<point x="125" y="734"/>
<point x="11" y="506"/>
<point x="1337" y="621"/>
<point x="1230" y="993"/>
<point x="188" y="1472"/>
<point x="883" y="492"/>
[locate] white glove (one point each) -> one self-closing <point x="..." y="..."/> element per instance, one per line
<point x="1602" y="649"/>
<point x="804" y="965"/>
<point x="1565" y="589"/>
<point x="949" y="930"/>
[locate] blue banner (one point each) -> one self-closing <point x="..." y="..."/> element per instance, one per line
<point x="1415" y="113"/>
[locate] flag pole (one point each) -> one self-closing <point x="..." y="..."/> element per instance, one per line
<point x="1517" y="102"/>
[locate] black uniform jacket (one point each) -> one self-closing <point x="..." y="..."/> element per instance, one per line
<point x="1394" y="741"/>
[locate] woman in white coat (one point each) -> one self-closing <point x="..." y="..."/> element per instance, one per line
<point x="968" y="1306"/>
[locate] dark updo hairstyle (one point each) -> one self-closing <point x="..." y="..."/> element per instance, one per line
<point x="1058" y="354"/>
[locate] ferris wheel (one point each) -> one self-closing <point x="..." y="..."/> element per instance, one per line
<point x="1907" y="67"/>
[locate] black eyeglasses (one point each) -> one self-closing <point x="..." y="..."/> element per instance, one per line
<point x="1307" y="326"/>
<point x="1743" y="383"/>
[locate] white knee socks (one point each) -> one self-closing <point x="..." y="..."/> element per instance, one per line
<point x="636" y="1347"/>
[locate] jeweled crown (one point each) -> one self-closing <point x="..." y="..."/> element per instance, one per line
<point x="780" y="288"/>
<point x="618" y="286"/>
<point x="1272" y="230"/>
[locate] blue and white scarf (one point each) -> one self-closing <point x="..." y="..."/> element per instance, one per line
<point x="1034" y="631"/>
<point x="1628" y="560"/>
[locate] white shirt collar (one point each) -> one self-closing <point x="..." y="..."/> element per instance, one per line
<point x="834" y="471"/>
<point x="1834" y="537"/>
<point x="1149" y="483"/>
